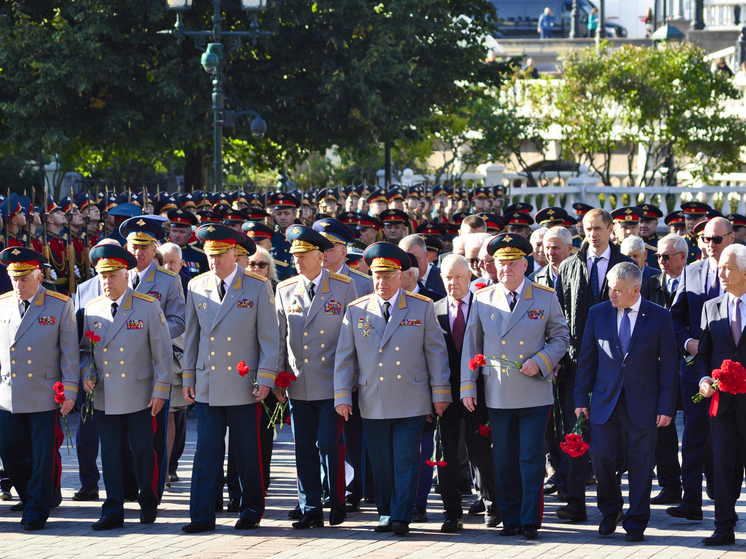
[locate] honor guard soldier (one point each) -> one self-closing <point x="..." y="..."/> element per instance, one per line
<point x="230" y="318"/>
<point x="627" y="223"/>
<point x="132" y="369"/>
<point x="180" y="231"/>
<point x="339" y="236"/>
<point x="648" y="225"/>
<point x="285" y="207"/>
<point x="580" y="210"/>
<point x="395" y="225"/>
<point x="56" y="249"/>
<point x="392" y="350"/>
<point x="310" y="309"/>
<point x="520" y="328"/>
<point x="38" y="349"/>
<point x="694" y="213"/>
<point x="739" y="227"/>
<point x="119" y="215"/>
<point x="14" y="218"/>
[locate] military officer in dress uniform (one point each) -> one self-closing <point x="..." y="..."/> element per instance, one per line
<point x="230" y="318"/>
<point x="311" y="340"/>
<point x="339" y="235"/>
<point x="519" y="327"/>
<point x="395" y="342"/>
<point x="285" y="207"/>
<point x="180" y="233"/>
<point x="38" y="348"/>
<point x="132" y="369"/>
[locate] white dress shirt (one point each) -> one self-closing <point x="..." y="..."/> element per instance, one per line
<point x="603" y="264"/>
<point x="633" y="314"/>
<point x="453" y="309"/>
<point x="507" y="297"/>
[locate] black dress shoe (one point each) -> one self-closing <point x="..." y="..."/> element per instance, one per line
<point x="148" y="516"/>
<point x="685" y="509"/>
<point x="233" y="505"/>
<point x="383" y="527"/>
<point x="477" y="508"/>
<point x="244" y="524"/>
<point x="419" y="514"/>
<point x="562" y="494"/>
<point x="107" y="523"/>
<point x="308" y="521"/>
<point x="172" y="477"/>
<point x="530" y="532"/>
<point x="511" y="530"/>
<point x="86" y="493"/>
<point x="131" y="498"/>
<point x="337" y="515"/>
<point x="721" y="536"/>
<point x="452" y="525"/>
<point x="550" y="486"/>
<point x="609" y="523"/>
<point x="56" y="498"/>
<point x="634" y="536"/>
<point x="352" y="505"/>
<point x="296" y="513"/>
<point x="572" y="514"/>
<point x="18" y="507"/>
<point x="400" y="528"/>
<point x="197" y="527"/>
<point x="492" y="519"/>
<point x="33" y="525"/>
<point x="667" y="496"/>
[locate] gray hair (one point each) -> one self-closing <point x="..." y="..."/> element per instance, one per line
<point x="559" y="232"/>
<point x="170" y="247"/>
<point x="272" y="276"/>
<point x="739" y="250"/>
<point x="413" y="241"/>
<point x="476" y="239"/>
<point x="678" y="242"/>
<point x="626" y="271"/>
<point x="536" y="234"/>
<point x="632" y="244"/>
<point x="453" y="260"/>
<point x="415" y="271"/>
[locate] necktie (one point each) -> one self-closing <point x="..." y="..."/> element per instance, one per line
<point x="459" y="326"/>
<point x="514" y="300"/>
<point x="624" y="331"/>
<point x="714" y="290"/>
<point x="386" y="314"/>
<point x="26" y="305"/>
<point x="114" y="310"/>
<point x="221" y="289"/>
<point x="594" y="279"/>
<point x="674" y="286"/>
<point x="735" y="324"/>
<point x="135" y="280"/>
<point x="311" y="290"/>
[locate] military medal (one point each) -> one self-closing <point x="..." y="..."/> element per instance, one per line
<point x="366" y="327"/>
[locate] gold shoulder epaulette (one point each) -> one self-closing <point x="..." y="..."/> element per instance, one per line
<point x="143" y="296"/>
<point x="289" y="281"/>
<point x="487" y="288"/>
<point x="57" y="295"/>
<point x="97" y="299"/>
<point x="359" y="273"/>
<point x="362" y="299"/>
<point x="195" y="247"/>
<point x="544" y="287"/>
<point x="281" y="263"/>
<point x="650" y="247"/>
<point x="6" y="295"/>
<point x="418" y="296"/>
<point x="253" y="275"/>
<point x="166" y="271"/>
<point x="340" y="277"/>
<point x="202" y="275"/>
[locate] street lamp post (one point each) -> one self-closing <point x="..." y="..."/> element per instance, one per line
<point x="212" y="61"/>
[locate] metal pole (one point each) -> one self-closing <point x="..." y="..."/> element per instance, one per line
<point x="699" y="16"/>
<point x="655" y="16"/>
<point x="574" y="20"/>
<point x="217" y="104"/>
<point x="387" y="163"/>
<point x="601" y="32"/>
<point x="741" y="47"/>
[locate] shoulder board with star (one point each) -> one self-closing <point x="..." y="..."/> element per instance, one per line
<point x="194" y="246"/>
<point x="281" y="263"/>
<point x="488" y="288"/>
<point x="96" y="300"/>
<point x="362" y="299"/>
<point x="254" y="275"/>
<point x="359" y="273"/>
<point x="6" y="295"/>
<point x="166" y="271"/>
<point x="56" y="295"/>
<point x="143" y="296"/>
<point x="418" y="296"/>
<point x="650" y="247"/>
<point x="289" y="281"/>
<point x="542" y="287"/>
<point x="340" y="277"/>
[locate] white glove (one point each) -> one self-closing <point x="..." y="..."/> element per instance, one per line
<point x="77" y="271"/>
<point x="53" y="274"/>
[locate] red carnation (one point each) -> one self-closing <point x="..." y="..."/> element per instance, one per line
<point x="284" y="379"/>
<point x="480" y="285"/>
<point x="91" y="335"/>
<point x="287" y="420"/>
<point x="574" y="445"/>
<point x="59" y="387"/>
<point x="431" y="463"/>
<point x="243" y="369"/>
<point x="59" y="397"/>
<point x="478" y="361"/>
<point x="730" y="377"/>
<point x="484" y="430"/>
<point x="441" y="463"/>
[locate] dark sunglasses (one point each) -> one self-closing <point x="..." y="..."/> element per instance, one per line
<point x="667" y="257"/>
<point x="716" y="240"/>
<point x="260" y="265"/>
<point x="474" y="261"/>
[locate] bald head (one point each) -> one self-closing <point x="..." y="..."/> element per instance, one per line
<point x="718" y="234"/>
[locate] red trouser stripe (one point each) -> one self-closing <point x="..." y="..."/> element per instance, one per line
<point x="341" y="478"/>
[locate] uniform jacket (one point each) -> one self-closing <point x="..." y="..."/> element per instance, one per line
<point x="37" y="351"/>
<point x="165" y="286"/>
<point x="648" y="372"/>
<point x="536" y="329"/>
<point x="363" y="282"/>
<point x="309" y="331"/>
<point x="403" y="363"/>
<point x="219" y="335"/>
<point x="134" y="359"/>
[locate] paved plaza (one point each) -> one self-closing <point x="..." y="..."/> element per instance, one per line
<point x="68" y="532"/>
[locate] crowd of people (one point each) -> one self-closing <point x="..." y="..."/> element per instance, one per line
<point x="458" y="337"/>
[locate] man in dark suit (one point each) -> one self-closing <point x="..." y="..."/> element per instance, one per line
<point x="661" y="290"/>
<point x="627" y="368"/>
<point x="452" y="313"/>
<point x="722" y="338"/>
<point x="429" y="276"/>
<point x="699" y="283"/>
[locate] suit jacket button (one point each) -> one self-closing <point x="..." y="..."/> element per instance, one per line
<point x="520" y="343"/>
<point x="380" y="351"/>
<point x="229" y="354"/>
<point x="380" y="364"/>
<point x="323" y="346"/>
<point x="107" y="375"/>
<point x="520" y="357"/>
<point x="321" y="332"/>
<point x="503" y="357"/>
<point x="305" y="333"/>
<point x="396" y="348"/>
<point x="398" y="363"/>
<point x="212" y="353"/>
<point x="28" y="349"/>
<point x="121" y="349"/>
<point x="503" y="342"/>
<point x="229" y="339"/>
<point x="230" y="368"/>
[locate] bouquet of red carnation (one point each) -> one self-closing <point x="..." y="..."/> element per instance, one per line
<point x="574" y="444"/>
<point x="437" y="448"/>
<point x="480" y="360"/>
<point x="283" y="382"/>
<point x="59" y="398"/>
<point x="86" y="410"/>
<point x="730" y="378"/>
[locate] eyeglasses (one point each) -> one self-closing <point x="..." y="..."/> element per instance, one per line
<point x="260" y="265"/>
<point x="667" y="257"/>
<point x="716" y="240"/>
<point x="474" y="261"/>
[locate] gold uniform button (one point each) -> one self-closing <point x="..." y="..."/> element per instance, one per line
<point x="305" y="360"/>
<point x="121" y="362"/>
<point x="398" y="376"/>
<point x="30" y="375"/>
<point x="503" y="356"/>
<point x="106" y="362"/>
<point x="229" y="354"/>
<point x="322" y="346"/>
<point x="503" y="342"/>
<point x="12" y="362"/>
<point x="29" y="361"/>
<point x="212" y="353"/>
<point x="398" y="363"/>
<point x="14" y="375"/>
<point x="122" y="375"/>
<point x="212" y="368"/>
<point x="107" y="375"/>
<point x="28" y="349"/>
<point x="230" y="368"/>
<point x="380" y="364"/>
<point x="520" y="357"/>
<point x="305" y="333"/>
<point x="378" y="379"/>
<point x="105" y="350"/>
<point x="396" y="348"/>
<point x="380" y="351"/>
<point x="323" y="358"/>
<point x="305" y="347"/>
<point x="212" y="339"/>
<point x="520" y="343"/>
<point x="229" y="339"/>
<point x="321" y="332"/>
<point x="121" y="349"/>
<point x="12" y="349"/>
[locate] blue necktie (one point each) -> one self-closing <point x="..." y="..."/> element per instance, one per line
<point x="714" y="290"/>
<point x="624" y="332"/>
<point x="594" y="279"/>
